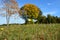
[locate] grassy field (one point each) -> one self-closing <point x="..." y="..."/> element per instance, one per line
<point x="30" y="32"/>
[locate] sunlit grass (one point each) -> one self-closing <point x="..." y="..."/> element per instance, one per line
<point x="30" y="32"/>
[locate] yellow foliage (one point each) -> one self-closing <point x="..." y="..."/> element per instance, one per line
<point x="31" y="10"/>
<point x="1" y="28"/>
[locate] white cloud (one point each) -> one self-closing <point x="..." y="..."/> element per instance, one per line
<point x="49" y="4"/>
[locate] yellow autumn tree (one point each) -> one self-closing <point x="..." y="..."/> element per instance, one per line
<point x="31" y="10"/>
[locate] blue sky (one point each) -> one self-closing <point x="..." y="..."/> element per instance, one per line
<point x="47" y="6"/>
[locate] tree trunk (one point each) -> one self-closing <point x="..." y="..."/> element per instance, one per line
<point x="7" y="19"/>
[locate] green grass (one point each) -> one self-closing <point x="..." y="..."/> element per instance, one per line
<point x="30" y="32"/>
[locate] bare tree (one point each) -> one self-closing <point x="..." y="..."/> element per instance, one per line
<point x="11" y="7"/>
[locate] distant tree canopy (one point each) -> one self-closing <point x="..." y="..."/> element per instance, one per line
<point x="49" y="19"/>
<point x="31" y="11"/>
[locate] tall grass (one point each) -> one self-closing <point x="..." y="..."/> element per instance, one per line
<point x="30" y="32"/>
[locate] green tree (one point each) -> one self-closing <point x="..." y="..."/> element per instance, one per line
<point x="53" y="19"/>
<point x="42" y="19"/>
<point x="49" y="18"/>
<point x="57" y="19"/>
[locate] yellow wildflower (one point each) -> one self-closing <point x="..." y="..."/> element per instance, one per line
<point x="29" y="20"/>
<point x="2" y="28"/>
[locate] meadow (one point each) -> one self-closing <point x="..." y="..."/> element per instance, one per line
<point x="30" y="32"/>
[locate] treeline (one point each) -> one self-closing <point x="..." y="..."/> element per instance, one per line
<point x="48" y="19"/>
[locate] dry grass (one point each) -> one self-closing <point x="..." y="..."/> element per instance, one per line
<point x="30" y="32"/>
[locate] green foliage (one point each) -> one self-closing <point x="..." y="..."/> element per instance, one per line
<point x="48" y="19"/>
<point x="52" y="19"/>
<point x="41" y="19"/>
